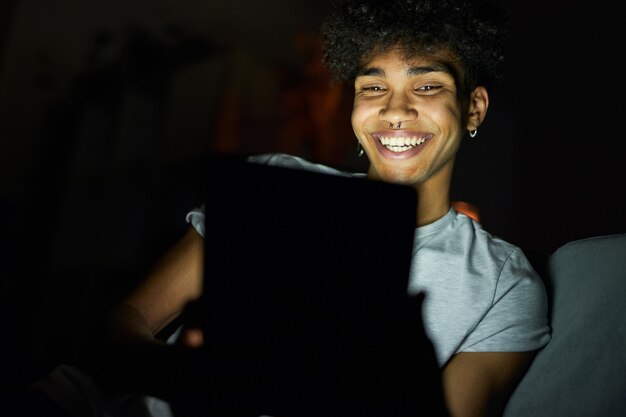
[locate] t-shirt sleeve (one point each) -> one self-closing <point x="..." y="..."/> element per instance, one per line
<point x="195" y="217"/>
<point x="518" y="317"/>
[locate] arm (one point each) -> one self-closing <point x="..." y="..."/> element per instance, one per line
<point x="174" y="282"/>
<point x="478" y="384"/>
<point x="126" y="349"/>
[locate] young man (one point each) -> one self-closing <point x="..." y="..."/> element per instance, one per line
<point x="420" y="70"/>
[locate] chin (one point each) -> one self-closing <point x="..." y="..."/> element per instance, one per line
<point x="397" y="178"/>
<point x="401" y="181"/>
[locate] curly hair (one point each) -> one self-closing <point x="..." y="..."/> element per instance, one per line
<point x="474" y="31"/>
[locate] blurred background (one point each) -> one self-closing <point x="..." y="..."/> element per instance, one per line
<point x="106" y="109"/>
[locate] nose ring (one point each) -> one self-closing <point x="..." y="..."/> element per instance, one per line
<point x="397" y="127"/>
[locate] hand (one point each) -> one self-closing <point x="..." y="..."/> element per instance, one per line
<point x="192" y="337"/>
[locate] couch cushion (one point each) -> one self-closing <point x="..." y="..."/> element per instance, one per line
<point x="582" y="371"/>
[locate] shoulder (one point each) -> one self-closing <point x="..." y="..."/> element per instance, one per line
<point x="473" y="259"/>
<point x="499" y="300"/>
<point x="458" y="236"/>
<point x="517" y="291"/>
<point x="484" y="247"/>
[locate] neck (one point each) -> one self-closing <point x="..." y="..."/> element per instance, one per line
<point x="429" y="211"/>
<point x="433" y="196"/>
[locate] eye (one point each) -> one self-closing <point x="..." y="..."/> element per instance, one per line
<point x="428" y="88"/>
<point x="373" y="88"/>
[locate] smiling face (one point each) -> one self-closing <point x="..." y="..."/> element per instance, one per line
<point x="420" y="95"/>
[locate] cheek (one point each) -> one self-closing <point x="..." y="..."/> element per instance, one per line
<point x="354" y="119"/>
<point x="354" y="124"/>
<point x="447" y="117"/>
<point x="357" y="117"/>
<point x="362" y="110"/>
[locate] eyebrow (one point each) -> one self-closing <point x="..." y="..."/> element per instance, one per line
<point x="411" y="71"/>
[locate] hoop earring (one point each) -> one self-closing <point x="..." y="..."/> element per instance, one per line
<point x="473" y="133"/>
<point x="359" y="149"/>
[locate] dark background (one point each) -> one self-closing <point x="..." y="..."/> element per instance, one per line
<point x="106" y="109"/>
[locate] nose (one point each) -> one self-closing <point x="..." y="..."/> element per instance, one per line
<point x="398" y="109"/>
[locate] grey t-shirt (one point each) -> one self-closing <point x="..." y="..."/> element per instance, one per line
<point x="481" y="293"/>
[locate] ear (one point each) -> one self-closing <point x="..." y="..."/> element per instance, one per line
<point x="479" y="102"/>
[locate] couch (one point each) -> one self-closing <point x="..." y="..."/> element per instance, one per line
<point x="582" y="371"/>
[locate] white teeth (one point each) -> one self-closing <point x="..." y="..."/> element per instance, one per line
<point x="401" y="144"/>
<point x="399" y="148"/>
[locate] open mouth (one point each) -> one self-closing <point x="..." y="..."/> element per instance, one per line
<point x="402" y="143"/>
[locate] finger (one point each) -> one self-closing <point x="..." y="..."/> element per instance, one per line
<point x="192" y="337"/>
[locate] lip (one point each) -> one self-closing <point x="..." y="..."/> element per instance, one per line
<point x="388" y="133"/>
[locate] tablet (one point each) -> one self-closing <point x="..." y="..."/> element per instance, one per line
<point x="305" y="307"/>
